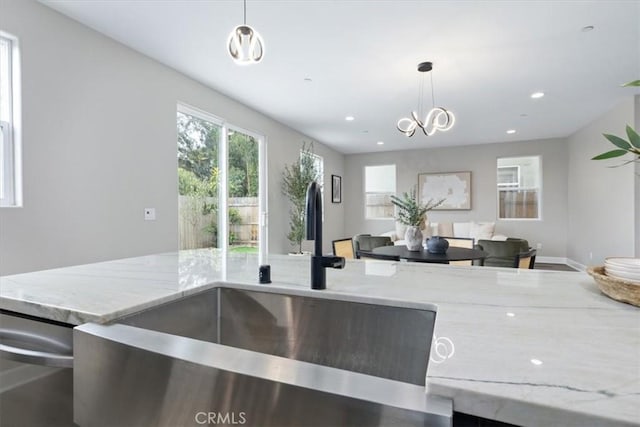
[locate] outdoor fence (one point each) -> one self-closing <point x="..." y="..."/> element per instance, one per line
<point x="199" y="230"/>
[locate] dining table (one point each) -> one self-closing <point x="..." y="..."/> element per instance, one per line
<point x="400" y="252"/>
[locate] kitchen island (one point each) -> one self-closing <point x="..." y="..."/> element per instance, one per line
<point x="526" y="347"/>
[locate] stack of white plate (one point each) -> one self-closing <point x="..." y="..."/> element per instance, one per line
<point x="627" y="269"/>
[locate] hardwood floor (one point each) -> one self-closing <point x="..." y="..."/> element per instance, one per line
<point x="555" y="267"/>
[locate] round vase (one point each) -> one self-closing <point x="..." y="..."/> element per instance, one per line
<point x="413" y="238"/>
<point x="437" y="245"/>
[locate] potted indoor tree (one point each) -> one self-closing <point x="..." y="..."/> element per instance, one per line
<point x="632" y="146"/>
<point x="613" y="285"/>
<point x="413" y="214"/>
<point x="296" y="177"/>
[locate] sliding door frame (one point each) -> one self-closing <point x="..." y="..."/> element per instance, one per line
<point x="262" y="187"/>
<point x="223" y="191"/>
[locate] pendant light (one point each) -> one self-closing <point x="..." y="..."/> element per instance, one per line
<point x="245" y="44"/>
<point x="438" y="118"/>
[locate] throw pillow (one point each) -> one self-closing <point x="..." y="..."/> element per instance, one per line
<point x="461" y="229"/>
<point x="445" y="229"/>
<point x="426" y="232"/>
<point x="482" y="230"/>
<point x="400" y="230"/>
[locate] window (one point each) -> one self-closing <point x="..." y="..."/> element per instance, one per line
<point x="9" y="147"/>
<point x="508" y="176"/>
<point x="519" y="182"/>
<point x="379" y="186"/>
<point x="309" y="159"/>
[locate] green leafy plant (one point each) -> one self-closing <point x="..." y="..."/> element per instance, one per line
<point x="632" y="146"/>
<point x="410" y="212"/>
<point x="296" y="177"/>
<point x="234" y="216"/>
<point x="234" y="219"/>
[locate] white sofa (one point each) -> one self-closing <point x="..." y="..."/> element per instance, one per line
<point x="472" y="229"/>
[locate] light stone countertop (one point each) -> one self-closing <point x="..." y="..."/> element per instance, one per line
<point x="530" y="347"/>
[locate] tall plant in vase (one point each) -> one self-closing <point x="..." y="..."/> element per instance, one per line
<point x="413" y="214"/>
<point x="296" y="177"/>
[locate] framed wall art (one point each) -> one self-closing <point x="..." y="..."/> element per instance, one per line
<point x="336" y="189"/>
<point x="454" y="187"/>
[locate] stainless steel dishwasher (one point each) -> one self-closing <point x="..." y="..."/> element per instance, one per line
<point x="36" y="371"/>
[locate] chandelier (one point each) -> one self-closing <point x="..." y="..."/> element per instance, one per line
<point x="437" y="119"/>
<point x="245" y="44"/>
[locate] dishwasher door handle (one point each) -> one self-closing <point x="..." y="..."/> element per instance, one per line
<point x="39" y="350"/>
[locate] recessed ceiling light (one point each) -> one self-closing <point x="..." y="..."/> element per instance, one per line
<point x="536" y="95"/>
<point x="511" y="131"/>
<point x="308" y="79"/>
<point x="536" y="362"/>
<point x="349" y="118"/>
<point x="511" y="314"/>
<point x="380" y="142"/>
<point x="587" y="28"/>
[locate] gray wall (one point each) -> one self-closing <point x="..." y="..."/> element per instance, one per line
<point x="481" y="161"/>
<point x="601" y="216"/>
<point x="99" y="145"/>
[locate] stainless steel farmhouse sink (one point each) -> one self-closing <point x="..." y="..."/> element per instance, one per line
<point x="245" y="357"/>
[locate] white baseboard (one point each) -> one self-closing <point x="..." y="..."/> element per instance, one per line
<point x="551" y="259"/>
<point x="576" y="265"/>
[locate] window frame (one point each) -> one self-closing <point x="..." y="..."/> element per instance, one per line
<point x="539" y="188"/>
<point x="364" y="187"/>
<point x="515" y="183"/>
<point x="10" y="152"/>
<point x="7" y="189"/>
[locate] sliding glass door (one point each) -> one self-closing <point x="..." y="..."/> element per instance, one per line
<point x="199" y="138"/>
<point x="243" y="186"/>
<point x="222" y="186"/>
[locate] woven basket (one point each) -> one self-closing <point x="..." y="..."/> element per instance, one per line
<point x="619" y="290"/>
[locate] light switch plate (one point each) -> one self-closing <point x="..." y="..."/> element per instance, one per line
<point x="149" y="214"/>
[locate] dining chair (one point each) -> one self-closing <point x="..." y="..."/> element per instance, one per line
<point x="513" y="253"/>
<point x="343" y="248"/>
<point x="460" y="242"/>
<point x="526" y="259"/>
<point x="367" y="242"/>
<point x="357" y="239"/>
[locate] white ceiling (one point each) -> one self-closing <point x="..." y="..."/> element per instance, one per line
<point x="488" y="56"/>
